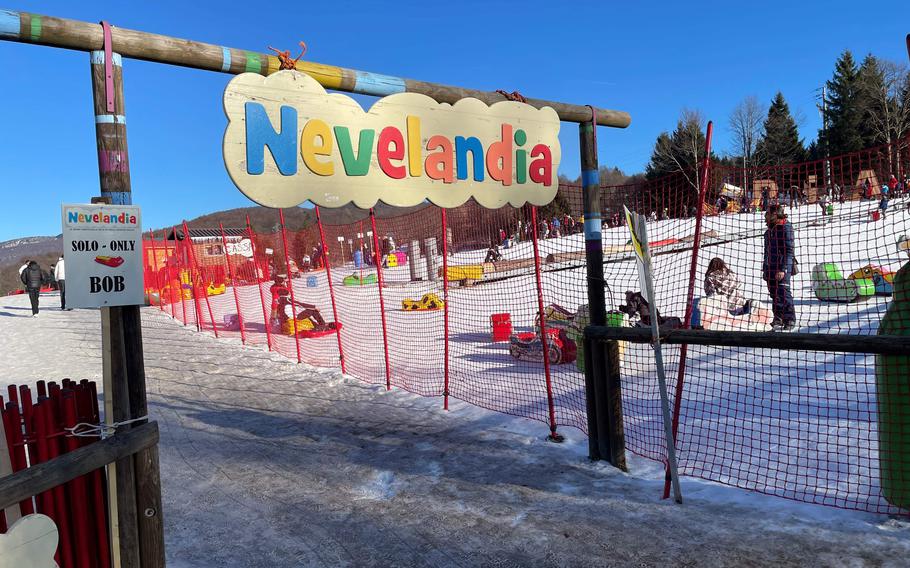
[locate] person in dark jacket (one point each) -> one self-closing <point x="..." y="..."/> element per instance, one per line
<point x="33" y="278"/>
<point x="777" y="267"/>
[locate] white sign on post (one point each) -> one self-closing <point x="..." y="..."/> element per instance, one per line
<point x="102" y="247"/>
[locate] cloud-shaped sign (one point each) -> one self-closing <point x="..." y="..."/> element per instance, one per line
<point x="31" y="541"/>
<point x="289" y="141"/>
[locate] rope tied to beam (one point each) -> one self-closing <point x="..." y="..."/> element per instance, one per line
<point x="285" y="57"/>
<point x="513" y="96"/>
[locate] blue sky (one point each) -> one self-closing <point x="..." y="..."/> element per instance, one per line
<point x="648" y="58"/>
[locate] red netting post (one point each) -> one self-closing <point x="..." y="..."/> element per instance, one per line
<point x="17" y="446"/>
<point x="265" y="312"/>
<point x="227" y="260"/>
<point x="157" y="273"/>
<point x="690" y="294"/>
<point x="287" y="269"/>
<point x="203" y="287"/>
<point x="445" y="313"/>
<point x="177" y="255"/>
<point x="544" y="338"/>
<point x="328" y="276"/>
<point x="167" y="273"/>
<point x="385" y="340"/>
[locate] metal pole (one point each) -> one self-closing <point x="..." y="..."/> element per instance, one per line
<point x="227" y="260"/>
<point x="141" y="538"/>
<point x="73" y="34"/>
<point x="328" y="276"/>
<point x="690" y="294"/>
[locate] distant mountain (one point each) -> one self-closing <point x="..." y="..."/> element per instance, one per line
<point x="265" y="220"/>
<point x="44" y="250"/>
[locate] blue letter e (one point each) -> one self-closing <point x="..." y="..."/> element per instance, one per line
<point x="259" y="134"/>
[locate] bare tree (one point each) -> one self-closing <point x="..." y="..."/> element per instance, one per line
<point x="887" y="93"/>
<point x="746" y="126"/>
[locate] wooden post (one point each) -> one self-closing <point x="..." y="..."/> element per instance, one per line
<point x="603" y="426"/>
<point x="141" y="541"/>
<point x="85" y="36"/>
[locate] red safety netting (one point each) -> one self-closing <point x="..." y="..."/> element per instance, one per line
<point x="451" y="304"/>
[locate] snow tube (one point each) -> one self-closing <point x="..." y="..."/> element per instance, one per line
<point x="391" y="260"/>
<point x="893" y="398"/>
<point x="882" y="278"/>
<point x="829" y="284"/>
<point x="712" y="313"/>
<point x="428" y="302"/>
<point x="356" y="280"/>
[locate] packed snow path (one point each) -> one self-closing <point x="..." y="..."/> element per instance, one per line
<point x="269" y="463"/>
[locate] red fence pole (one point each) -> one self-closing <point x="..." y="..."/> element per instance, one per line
<point x="77" y="488"/>
<point x="544" y="339"/>
<point x="157" y="273"/>
<point x="385" y="339"/>
<point x="690" y="294"/>
<point x="265" y="313"/>
<point x="46" y="414"/>
<point x="204" y="288"/>
<point x="17" y="447"/>
<point x="227" y="260"/>
<point x="287" y="268"/>
<point x="445" y="313"/>
<point x="167" y="273"/>
<point x="177" y="255"/>
<point x="328" y="276"/>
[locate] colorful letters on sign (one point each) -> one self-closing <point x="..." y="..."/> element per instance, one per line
<point x="289" y="141"/>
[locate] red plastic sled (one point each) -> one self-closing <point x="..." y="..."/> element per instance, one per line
<point x="308" y="333"/>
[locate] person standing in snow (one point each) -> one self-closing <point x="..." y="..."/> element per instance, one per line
<point x="33" y="279"/>
<point x="777" y="267"/>
<point x="883" y="205"/>
<point x="721" y="281"/>
<point x="60" y="277"/>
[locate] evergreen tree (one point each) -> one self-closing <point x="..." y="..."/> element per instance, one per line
<point x="679" y="152"/>
<point x="780" y="143"/>
<point x="844" y="112"/>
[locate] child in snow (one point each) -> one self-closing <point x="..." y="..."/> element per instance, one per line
<point x="883" y="205"/>
<point x="777" y="266"/>
<point x="721" y="281"/>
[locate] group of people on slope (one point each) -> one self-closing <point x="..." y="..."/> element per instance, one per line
<point x="778" y="264"/>
<point x="33" y="278"/>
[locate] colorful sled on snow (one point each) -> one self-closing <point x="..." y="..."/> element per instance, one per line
<point x="881" y="277"/>
<point x="306" y="328"/>
<point x="213" y="290"/>
<point x="527" y="345"/>
<point x="356" y="280"/>
<point x="829" y="284"/>
<point x="428" y="302"/>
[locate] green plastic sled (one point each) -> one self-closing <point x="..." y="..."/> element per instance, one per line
<point x="355" y="280"/>
<point x="829" y="284"/>
<point x="893" y="397"/>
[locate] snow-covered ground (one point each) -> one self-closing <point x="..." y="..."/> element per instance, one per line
<point x="800" y="425"/>
<point x="265" y="462"/>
